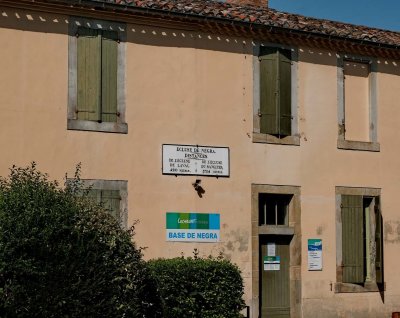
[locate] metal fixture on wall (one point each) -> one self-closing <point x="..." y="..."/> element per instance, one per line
<point x="198" y="188"/>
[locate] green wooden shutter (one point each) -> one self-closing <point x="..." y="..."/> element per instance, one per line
<point x="285" y="92"/>
<point x="111" y="200"/>
<point x="379" y="243"/>
<point x="109" y="67"/>
<point x="269" y="121"/>
<point x="88" y="74"/>
<point x="95" y="195"/>
<point x="353" y="239"/>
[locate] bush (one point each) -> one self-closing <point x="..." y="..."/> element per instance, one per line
<point x="197" y="287"/>
<point x="62" y="255"/>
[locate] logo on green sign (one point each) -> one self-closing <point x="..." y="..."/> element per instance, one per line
<point x="193" y="221"/>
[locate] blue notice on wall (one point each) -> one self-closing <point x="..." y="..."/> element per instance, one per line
<point x="314" y="254"/>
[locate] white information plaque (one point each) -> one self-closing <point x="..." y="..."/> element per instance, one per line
<point x="195" y="160"/>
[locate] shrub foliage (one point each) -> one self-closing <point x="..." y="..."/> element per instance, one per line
<point x="62" y="255"/>
<point x="198" y="287"/>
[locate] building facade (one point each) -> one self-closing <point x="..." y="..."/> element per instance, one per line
<point x="295" y="119"/>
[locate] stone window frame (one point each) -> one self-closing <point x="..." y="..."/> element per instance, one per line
<point x="121" y="186"/>
<point x="294" y="138"/>
<point x="341" y="287"/>
<point x="293" y="229"/>
<point x="86" y="125"/>
<point x="342" y="142"/>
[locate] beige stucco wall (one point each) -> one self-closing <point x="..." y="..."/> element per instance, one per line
<point x="324" y="167"/>
<point x="185" y="87"/>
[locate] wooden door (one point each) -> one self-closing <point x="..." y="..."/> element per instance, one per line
<point x="275" y="280"/>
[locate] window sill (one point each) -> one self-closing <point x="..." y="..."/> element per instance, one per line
<point x="87" y="125"/>
<point x="358" y="145"/>
<point x="269" y="139"/>
<point x="355" y="288"/>
<point x="275" y="230"/>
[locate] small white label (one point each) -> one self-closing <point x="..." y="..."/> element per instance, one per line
<point x="272" y="267"/>
<point x="271" y="249"/>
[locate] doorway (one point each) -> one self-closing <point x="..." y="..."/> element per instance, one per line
<point x="276" y="246"/>
<point x="275" y="276"/>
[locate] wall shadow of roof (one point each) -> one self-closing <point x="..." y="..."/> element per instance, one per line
<point x="263" y="16"/>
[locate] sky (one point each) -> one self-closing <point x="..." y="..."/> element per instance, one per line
<point x="382" y="14"/>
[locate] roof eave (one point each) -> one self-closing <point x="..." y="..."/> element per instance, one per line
<point x="252" y="30"/>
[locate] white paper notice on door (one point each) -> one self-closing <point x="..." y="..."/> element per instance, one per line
<point x="271" y="249"/>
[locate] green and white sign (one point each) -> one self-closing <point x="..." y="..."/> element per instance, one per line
<point x="272" y="263"/>
<point x="192" y="227"/>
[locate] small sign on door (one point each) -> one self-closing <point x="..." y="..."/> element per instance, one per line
<point x="271" y="249"/>
<point x="272" y="263"/>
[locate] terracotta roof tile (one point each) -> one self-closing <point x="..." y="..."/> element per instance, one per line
<point x="265" y="17"/>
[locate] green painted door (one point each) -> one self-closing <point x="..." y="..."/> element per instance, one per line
<point x="274" y="279"/>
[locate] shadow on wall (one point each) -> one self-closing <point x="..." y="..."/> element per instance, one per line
<point x="392" y="232"/>
<point x="235" y="241"/>
<point x="316" y="56"/>
<point x="330" y="58"/>
<point x="169" y="37"/>
<point x="139" y="34"/>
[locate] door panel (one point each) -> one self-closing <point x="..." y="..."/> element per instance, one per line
<point x="275" y="284"/>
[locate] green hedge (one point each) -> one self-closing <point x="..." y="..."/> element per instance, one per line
<point x="196" y="287"/>
<point x="62" y="255"/>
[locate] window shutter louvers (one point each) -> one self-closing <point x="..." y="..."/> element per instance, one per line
<point x="285" y="93"/>
<point x="95" y="195"/>
<point x="88" y="74"/>
<point x="109" y="67"/>
<point x="353" y="239"/>
<point x="269" y="92"/>
<point x="378" y="244"/>
<point x="111" y="200"/>
<point x="275" y="91"/>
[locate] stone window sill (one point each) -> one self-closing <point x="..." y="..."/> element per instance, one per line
<point x="358" y="145"/>
<point x="87" y="125"/>
<point x="356" y="288"/>
<point x="269" y="139"/>
<point x="275" y="230"/>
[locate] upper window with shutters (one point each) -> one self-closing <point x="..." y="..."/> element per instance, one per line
<point x="275" y="95"/>
<point x="96" y="76"/>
